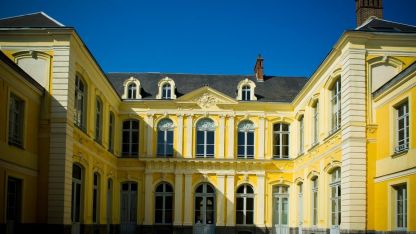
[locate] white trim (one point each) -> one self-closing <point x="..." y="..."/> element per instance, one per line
<point x="162" y="82"/>
<point x="241" y="84"/>
<point x="54" y="20"/>
<point x="395" y="175"/>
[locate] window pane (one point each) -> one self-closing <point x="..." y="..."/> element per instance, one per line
<point x="249" y="217"/>
<point x="168" y="202"/>
<point x="250" y="150"/>
<point x="250" y="204"/>
<point x="240" y="217"/>
<point x="158" y="216"/>
<point x="210" y="150"/>
<point x="168" y="216"/>
<point x="199" y="137"/>
<point x="210" y="137"/>
<point x="250" y="138"/>
<point x="240" y="138"/>
<point x="200" y="150"/>
<point x="240" y="203"/>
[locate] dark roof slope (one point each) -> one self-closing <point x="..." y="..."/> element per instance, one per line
<point x="34" y="20"/>
<point x="396" y="79"/>
<point x="381" y="25"/>
<point x="273" y="89"/>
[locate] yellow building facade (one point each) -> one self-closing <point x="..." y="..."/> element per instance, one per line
<point x="83" y="151"/>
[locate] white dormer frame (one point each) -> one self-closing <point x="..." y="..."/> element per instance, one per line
<point x="241" y="84"/>
<point x="126" y="85"/>
<point x="164" y="81"/>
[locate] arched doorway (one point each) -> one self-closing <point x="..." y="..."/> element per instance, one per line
<point x="204" y="209"/>
<point x="128" y="212"/>
<point x="280" y="209"/>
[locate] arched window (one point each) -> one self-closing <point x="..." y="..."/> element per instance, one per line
<point x="76" y="198"/>
<point x="280" y="140"/>
<point x="245" y="205"/>
<point x="165" y="138"/>
<point x="96" y="199"/>
<point x="163" y="204"/>
<point x="131" y="91"/>
<point x="111" y="126"/>
<point x="335" y="187"/>
<point x="130" y="142"/>
<point x="246" y="93"/>
<point x="205" y="204"/>
<point x="314" y="203"/>
<point x="205" y="139"/>
<point x="166" y="91"/>
<point x="246" y="139"/>
<point x="98" y="119"/>
<point x="80" y="103"/>
<point x="301" y="134"/>
<point x="336" y="106"/>
<point x="315" y="121"/>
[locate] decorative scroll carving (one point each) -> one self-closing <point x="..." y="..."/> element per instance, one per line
<point x="206" y="100"/>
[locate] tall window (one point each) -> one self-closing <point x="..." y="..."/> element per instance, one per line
<point x="130" y="143"/>
<point x="336" y="106"/>
<point x="246" y="93"/>
<point x="245" y="204"/>
<point x="132" y="91"/>
<point x="280" y="140"/>
<point x="336" y="197"/>
<point x="205" y="131"/>
<point x="246" y="139"/>
<point x="165" y="138"/>
<point x="16" y="117"/>
<point x="166" y="91"/>
<point x="301" y="134"/>
<point x="402" y="143"/>
<point x="111" y="123"/>
<point x="98" y="119"/>
<point x="80" y="102"/>
<point x="96" y="199"/>
<point x="315" y="120"/>
<point x="164" y="204"/>
<point x="314" y="201"/>
<point x="401" y="207"/>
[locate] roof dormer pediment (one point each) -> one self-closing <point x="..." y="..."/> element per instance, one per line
<point x="206" y="98"/>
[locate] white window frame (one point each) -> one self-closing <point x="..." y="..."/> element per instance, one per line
<point x="205" y="130"/>
<point x="111" y="127"/>
<point x="98" y="119"/>
<point x="245" y="127"/>
<point x="335" y="184"/>
<point x="280" y="144"/>
<point x="335" y="106"/>
<point x="96" y="198"/>
<point x="301" y="134"/>
<point x="161" y="84"/>
<point x="16" y="120"/>
<point x="126" y="95"/>
<point x="401" y="190"/>
<point x="315" y="120"/>
<point x="244" y="83"/>
<point x="315" y="192"/>
<point x="164" y="194"/>
<point x="131" y="131"/>
<point x="80" y="103"/>
<point x="245" y="195"/>
<point x="164" y="126"/>
<point x="402" y="144"/>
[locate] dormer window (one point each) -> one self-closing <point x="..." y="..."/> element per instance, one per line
<point x="131" y="89"/>
<point x="245" y="90"/>
<point x="166" y="89"/>
<point x="246" y="93"/>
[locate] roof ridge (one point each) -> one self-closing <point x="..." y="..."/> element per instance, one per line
<point x="367" y="21"/>
<point x="397" y="23"/>
<point x="54" y="20"/>
<point x="15" y="16"/>
<point x="179" y="73"/>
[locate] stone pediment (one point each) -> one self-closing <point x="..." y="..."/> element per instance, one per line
<point x="206" y="98"/>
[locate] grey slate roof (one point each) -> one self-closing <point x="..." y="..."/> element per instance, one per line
<point x="403" y="74"/>
<point x="272" y="89"/>
<point x="381" y="25"/>
<point x="34" y="20"/>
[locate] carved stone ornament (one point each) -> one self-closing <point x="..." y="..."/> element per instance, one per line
<point x="206" y="100"/>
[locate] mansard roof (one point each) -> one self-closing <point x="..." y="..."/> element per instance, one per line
<point x="272" y="89"/>
<point x="381" y="25"/>
<point x="33" y="20"/>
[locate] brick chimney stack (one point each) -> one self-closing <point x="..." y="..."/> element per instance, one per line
<point x="364" y="9"/>
<point x="258" y="68"/>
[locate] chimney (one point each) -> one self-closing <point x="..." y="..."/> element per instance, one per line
<point x="365" y="9"/>
<point x="258" y="68"/>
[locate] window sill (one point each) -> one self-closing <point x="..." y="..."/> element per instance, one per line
<point x="280" y="158"/>
<point x="129" y="156"/>
<point x="333" y="131"/>
<point x="314" y="145"/>
<point x="17" y="145"/>
<point x="83" y="130"/>
<point x="398" y="154"/>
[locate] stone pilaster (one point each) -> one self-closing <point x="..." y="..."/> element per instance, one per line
<point x="148" y="198"/>
<point x="260" y="152"/>
<point x="230" y="145"/>
<point x="230" y="201"/>
<point x="149" y="138"/>
<point x="260" y="201"/>
<point x="177" y="221"/>
<point x="179" y="147"/>
<point x="353" y="125"/>
<point x="188" y="201"/>
<point x="222" y="139"/>
<point x="61" y="135"/>
<point x="220" y="199"/>
<point x="189" y="128"/>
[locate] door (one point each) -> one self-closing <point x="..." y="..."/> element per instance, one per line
<point x="76" y="199"/>
<point x="128" y="213"/>
<point x="280" y="210"/>
<point x="300" y="208"/>
<point x="13" y="205"/>
<point x="109" y="204"/>
<point x="335" y="187"/>
<point x="204" y="209"/>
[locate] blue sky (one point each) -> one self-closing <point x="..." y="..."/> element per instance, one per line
<point x="211" y="36"/>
